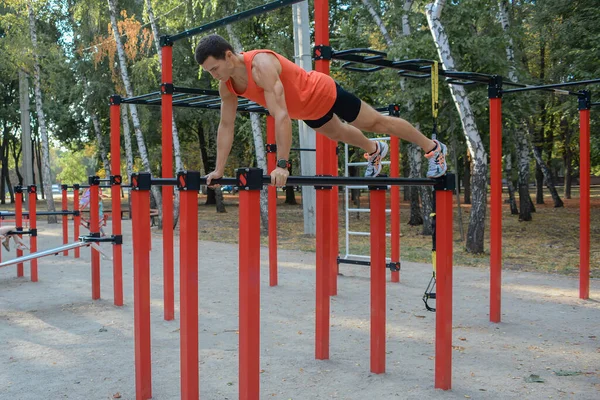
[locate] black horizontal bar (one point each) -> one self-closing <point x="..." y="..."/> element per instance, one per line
<point x="140" y="97"/>
<point x="42" y="213"/>
<point x="354" y="262"/>
<point x="553" y="87"/>
<point x="301" y="149"/>
<point x="233" y="18"/>
<point x="206" y="92"/>
<point x="595" y="104"/>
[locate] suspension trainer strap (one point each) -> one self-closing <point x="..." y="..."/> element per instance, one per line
<point x="435" y="104"/>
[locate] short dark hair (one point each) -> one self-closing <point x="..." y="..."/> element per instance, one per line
<point x="212" y="45"/>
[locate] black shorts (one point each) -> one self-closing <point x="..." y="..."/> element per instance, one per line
<point x="346" y="106"/>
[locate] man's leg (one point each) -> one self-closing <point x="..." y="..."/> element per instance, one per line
<point x="370" y="120"/>
<point x="342" y="132"/>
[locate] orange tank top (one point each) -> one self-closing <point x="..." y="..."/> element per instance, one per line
<point x="308" y="95"/>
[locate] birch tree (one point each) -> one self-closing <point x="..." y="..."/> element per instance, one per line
<point x="127" y="141"/>
<point x="476" y="230"/>
<point x="101" y="147"/>
<point x="45" y="161"/>
<point x="132" y="107"/>
<point x="175" y="133"/>
<point x="259" y="146"/>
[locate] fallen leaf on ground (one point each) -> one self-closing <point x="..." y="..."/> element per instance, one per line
<point x="117" y="395"/>
<point x="534" y="379"/>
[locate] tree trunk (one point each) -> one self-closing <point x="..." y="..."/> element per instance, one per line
<point x="405" y="25"/>
<point x="525" y="202"/>
<point x="4" y="164"/>
<point x="290" y="193"/>
<point x="547" y="178"/>
<point x="259" y="146"/>
<point x="127" y="142"/>
<point x="46" y="172"/>
<point x="414" y="156"/>
<point x="175" y="132"/>
<point x="467" y="179"/>
<point x="132" y="107"/>
<point x="378" y="21"/>
<point x="16" y="152"/>
<point x="101" y="149"/>
<point x="26" y="142"/>
<point x="475" y="233"/>
<point x="427" y="196"/>
<point x="567" y="156"/>
<point x="209" y="161"/>
<point x="509" y="183"/>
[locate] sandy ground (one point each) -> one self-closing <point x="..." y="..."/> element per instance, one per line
<point x="56" y="343"/>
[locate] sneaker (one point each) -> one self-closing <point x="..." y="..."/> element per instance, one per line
<point x="374" y="160"/>
<point x="437" y="160"/>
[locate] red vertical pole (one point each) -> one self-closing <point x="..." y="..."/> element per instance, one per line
<point x="19" y="223"/>
<point x="167" y="172"/>
<point x="271" y="162"/>
<point x="140" y="206"/>
<point x="32" y="190"/>
<point x="496" y="208"/>
<point x="324" y="206"/>
<point x="584" y="203"/>
<point x="65" y="218"/>
<point x="95" y="230"/>
<point x="395" y="205"/>
<point x="443" y="315"/>
<point x="188" y="283"/>
<point x="378" y="238"/>
<point x="249" y="300"/>
<point x="115" y="188"/>
<point x="76" y="218"/>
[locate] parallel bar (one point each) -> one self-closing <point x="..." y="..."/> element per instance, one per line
<point x="140" y="206"/>
<point x="186" y="90"/>
<point x="188" y="283"/>
<point x="115" y="168"/>
<point x="95" y="229"/>
<point x="443" y="316"/>
<point x="496" y="209"/>
<point x="43" y="253"/>
<point x="167" y="191"/>
<point x="65" y="221"/>
<point x="41" y="213"/>
<point x="584" y="204"/>
<point x="378" y="273"/>
<point x="32" y="200"/>
<point x="76" y="220"/>
<point x="395" y="205"/>
<point x="233" y="18"/>
<point x="272" y="194"/>
<point x="249" y="295"/>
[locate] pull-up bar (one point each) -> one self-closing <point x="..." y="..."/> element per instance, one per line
<point x="555" y="87"/>
<point x="169" y="40"/>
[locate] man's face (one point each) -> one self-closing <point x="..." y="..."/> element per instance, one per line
<point x="219" y="69"/>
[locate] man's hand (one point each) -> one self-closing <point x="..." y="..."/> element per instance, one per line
<point x="279" y="176"/>
<point x="213" y="175"/>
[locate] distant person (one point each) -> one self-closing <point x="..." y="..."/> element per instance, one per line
<point x="289" y="92"/>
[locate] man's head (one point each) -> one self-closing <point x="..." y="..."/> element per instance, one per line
<point x="215" y="55"/>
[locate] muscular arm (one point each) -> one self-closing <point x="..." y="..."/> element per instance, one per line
<point x="229" y="104"/>
<point x="265" y="71"/>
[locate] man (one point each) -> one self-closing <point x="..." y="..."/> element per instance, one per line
<point x="289" y="92"/>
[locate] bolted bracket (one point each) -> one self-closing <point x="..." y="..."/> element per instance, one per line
<point x="115" y="100"/>
<point x="167" y="88"/>
<point x="18" y="189"/>
<point x="394" y="266"/>
<point x="32" y="189"/>
<point x="322" y="52"/>
<point x="141" y="181"/>
<point x="445" y="182"/>
<point x="495" y="87"/>
<point x="271" y="148"/>
<point x="94" y="180"/>
<point x="116" y="179"/>
<point x="323" y="187"/>
<point x="394" y="110"/>
<point x="63" y="187"/>
<point x="585" y="100"/>
<point x="249" y="178"/>
<point x="165" y="40"/>
<point x="188" y="180"/>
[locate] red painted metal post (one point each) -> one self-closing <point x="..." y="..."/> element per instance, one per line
<point x="115" y="188"/>
<point x="76" y="219"/>
<point x="271" y="162"/>
<point x="395" y="205"/>
<point x="167" y="172"/>
<point x="496" y="209"/>
<point x="584" y="204"/>
<point x="95" y="229"/>
<point x="140" y="206"/>
<point x="19" y="223"/>
<point x="188" y="283"/>
<point x="249" y="300"/>
<point x="443" y="315"/>
<point x="65" y="218"/>
<point x="32" y="190"/>
<point x="378" y="253"/>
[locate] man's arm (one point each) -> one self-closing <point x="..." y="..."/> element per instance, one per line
<point x="229" y="103"/>
<point x="265" y="71"/>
